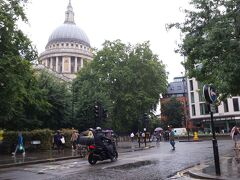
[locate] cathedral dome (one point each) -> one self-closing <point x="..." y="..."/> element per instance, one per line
<point x="69" y="32"/>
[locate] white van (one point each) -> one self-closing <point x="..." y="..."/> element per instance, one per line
<point x="180" y="131"/>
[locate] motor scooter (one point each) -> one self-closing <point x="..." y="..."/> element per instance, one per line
<point x="97" y="153"/>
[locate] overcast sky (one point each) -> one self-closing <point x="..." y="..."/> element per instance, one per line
<point x="133" y="21"/>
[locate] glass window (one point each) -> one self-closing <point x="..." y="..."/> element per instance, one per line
<point x="72" y="64"/>
<point x="192" y="97"/>
<point x="179" y="87"/>
<point x="202" y="109"/>
<point x="200" y="94"/>
<point x="193" y="110"/>
<point x="191" y="85"/>
<point x="235" y="104"/>
<point x="54" y="63"/>
<point x="78" y="63"/>
<point x="225" y="106"/>
<point x="60" y="64"/>
<point x="48" y="62"/>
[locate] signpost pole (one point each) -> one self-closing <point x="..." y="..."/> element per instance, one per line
<point x="210" y="97"/>
<point x="215" y="147"/>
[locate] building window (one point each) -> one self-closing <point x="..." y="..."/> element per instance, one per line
<point x="235" y="104"/>
<point x="62" y="44"/>
<point x="48" y="62"/>
<point x="67" y="44"/>
<point x="193" y="110"/>
<point x="200" y="94"/>
<point x="191" y="85"/>
<point x="78" y="63"/>
<point x="202" y="109"/>
<point x="179" y="87"/>
<point x="76" y="45"/>
<point x="225" y="106"/>
<point x="192" y="97"/>
<point x="60" y="64"/>
<point x="54" y="63"/>
<point x="72" y="64"/>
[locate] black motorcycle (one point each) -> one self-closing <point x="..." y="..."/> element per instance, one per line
<point x="97" y="153"/>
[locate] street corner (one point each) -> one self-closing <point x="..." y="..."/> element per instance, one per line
<point x="198" y="172"/>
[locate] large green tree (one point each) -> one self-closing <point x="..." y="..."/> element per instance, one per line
<point x="211" y="43"/>
<point x="16" y="52"/>
<point x="173" y="113"/>
<point x="56" y="96"/>
<point x="126" y="79"/>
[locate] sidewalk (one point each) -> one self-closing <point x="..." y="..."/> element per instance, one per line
<point x="52" y="155"/>
<point x="229" y="165"/>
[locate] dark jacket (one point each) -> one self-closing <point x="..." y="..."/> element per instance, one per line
<point x="99" y="139"/>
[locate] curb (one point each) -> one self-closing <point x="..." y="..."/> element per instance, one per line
<point x="56" y="159"/>
<point x="200" y="175"/>
<point x="39" y="161"/>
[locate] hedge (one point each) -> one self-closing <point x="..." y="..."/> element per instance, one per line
<point x="10" y="140"/>
<point x="45" y="136"/>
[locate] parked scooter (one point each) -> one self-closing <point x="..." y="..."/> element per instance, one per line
<point x="97" y="153"/>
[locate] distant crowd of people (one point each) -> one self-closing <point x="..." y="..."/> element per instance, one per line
<point x="167" y="135"/>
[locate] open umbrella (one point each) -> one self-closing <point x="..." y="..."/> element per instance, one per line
<point x="158" y="129"/>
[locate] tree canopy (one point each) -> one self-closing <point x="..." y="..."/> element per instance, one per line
<point x="126" y="79"/>
<point x="211" y="41"/>
<point x="27" y="100"/>
<point x="173" y="113"/>
<point x="15" y="56"/>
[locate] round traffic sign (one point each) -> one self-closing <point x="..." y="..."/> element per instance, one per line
<point x="209" y="93"/>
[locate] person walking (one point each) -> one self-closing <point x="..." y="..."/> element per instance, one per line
<point x="235" y="133"/>
<point x="171" y="137"/>
<point x="132" y="136"/>
<point x="74" y="138"/>
<point x="59" y="140"/>
<point x="20" y="146"/>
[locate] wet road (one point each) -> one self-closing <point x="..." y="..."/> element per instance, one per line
<point x="155" y="163"/>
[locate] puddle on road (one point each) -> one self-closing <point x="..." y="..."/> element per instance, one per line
<point x="133" y="165"/>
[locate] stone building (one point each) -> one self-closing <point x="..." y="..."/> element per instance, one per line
<point x="68" y="48"/>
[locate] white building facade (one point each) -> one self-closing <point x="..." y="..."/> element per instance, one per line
<point x="68" y="48"/>
<point x="226" y="116"/>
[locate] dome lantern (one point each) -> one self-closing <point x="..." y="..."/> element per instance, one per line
<point x="69" y="14"/>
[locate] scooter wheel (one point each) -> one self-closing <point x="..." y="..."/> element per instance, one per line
<point x="91" y="159"/>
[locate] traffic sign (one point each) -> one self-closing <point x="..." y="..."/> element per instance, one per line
<point x="209" y="93"/>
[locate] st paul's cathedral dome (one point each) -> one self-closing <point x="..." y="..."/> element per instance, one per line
<point x="68" y="48"/>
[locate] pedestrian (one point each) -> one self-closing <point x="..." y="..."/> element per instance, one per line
<point x="20" y="146"/>
<point x="132" y="136"/>
<point x="74" y="138"/>
<point x="59" y="140"/>
<point x="235" y="133"/>
<point x="171" y="137"/>
<point x="90" y="132"/>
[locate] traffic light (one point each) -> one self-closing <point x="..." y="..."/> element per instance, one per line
<point x="97" y="111"/>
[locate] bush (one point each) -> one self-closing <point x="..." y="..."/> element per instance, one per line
<point x="10" y="139"/>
